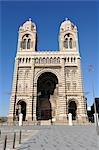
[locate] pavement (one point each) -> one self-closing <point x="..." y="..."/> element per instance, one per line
<point x="60" y="137"/>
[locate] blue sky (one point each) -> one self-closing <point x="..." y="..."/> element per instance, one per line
<point x="48" y="17"/>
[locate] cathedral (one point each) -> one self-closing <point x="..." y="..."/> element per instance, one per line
<point x="47" y="85"/>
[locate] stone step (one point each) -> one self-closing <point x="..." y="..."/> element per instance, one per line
<point x="45" y="122"/>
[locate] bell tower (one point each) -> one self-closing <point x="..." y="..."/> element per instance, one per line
<point x="68" y="38"/>
<point x="22" y="88"/>
<point x="72" y="74"/>
<point x="27" y="40"/>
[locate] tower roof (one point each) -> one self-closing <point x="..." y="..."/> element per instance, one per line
<point x="67" y="25"/>
<point x="28" y="25"/>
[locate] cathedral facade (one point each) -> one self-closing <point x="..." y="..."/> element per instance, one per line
<point x="47" y="85"/>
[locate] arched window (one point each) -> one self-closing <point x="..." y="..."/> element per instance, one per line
<point x="28" y="44"/>
<point x="71" y="43"/>
<point x="23" y="44"/>
<point x="55" y="60"/>
<point x="29" y="60"/>
<point x="51" y="60"/>
<point x="19" y="60"/>
<point x="44" y="60"/>
<point x="26" y="60"/>
<point x="37" y="60"/>
<point x="26" y="41"/>
<point x="74" y="59"/>
<point x="23" y="60"/>
<point x="66" y="43"/>
<point x="68" y="59"/>
<point x="58" y="60"/>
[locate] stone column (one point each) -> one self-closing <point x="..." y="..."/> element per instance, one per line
<point x="13" y="95"/>
<point x="34" y="101"/>
<point x="29" y="110"/>
<point x="82" y="111"/>
<point x="53" y="105"/>
<point x="56" y="101"/>
<point x="62" y="93"/>
<point x="29" y="114"/>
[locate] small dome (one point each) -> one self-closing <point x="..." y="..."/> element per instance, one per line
<point x="67" y="25"/>
<point x="28" y="25"/>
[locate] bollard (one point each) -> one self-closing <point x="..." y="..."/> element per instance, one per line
<point x="5" y="143"/>
<point x="0" y="133"/>
<point x="14" y="140"/>
<point x="20" y="119"/>
<point x="20" y="137"/>
<point x="96" y="119"/>
<point x="70" y="119"/>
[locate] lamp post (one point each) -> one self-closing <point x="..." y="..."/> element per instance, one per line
<point x="91" y="69"/>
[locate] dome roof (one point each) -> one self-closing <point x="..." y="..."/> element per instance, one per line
<point x="67" y="25"/>
<point x="28" y="25"/>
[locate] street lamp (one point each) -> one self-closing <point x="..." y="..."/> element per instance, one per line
<point x="91" y="69"/>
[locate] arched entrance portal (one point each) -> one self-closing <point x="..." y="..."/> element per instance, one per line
<point x="21" y="108"/>
<point x="72" y="107"/>
<point x="46" y="86"/>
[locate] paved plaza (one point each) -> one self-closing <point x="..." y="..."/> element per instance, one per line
<point x="51" y="137"/>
